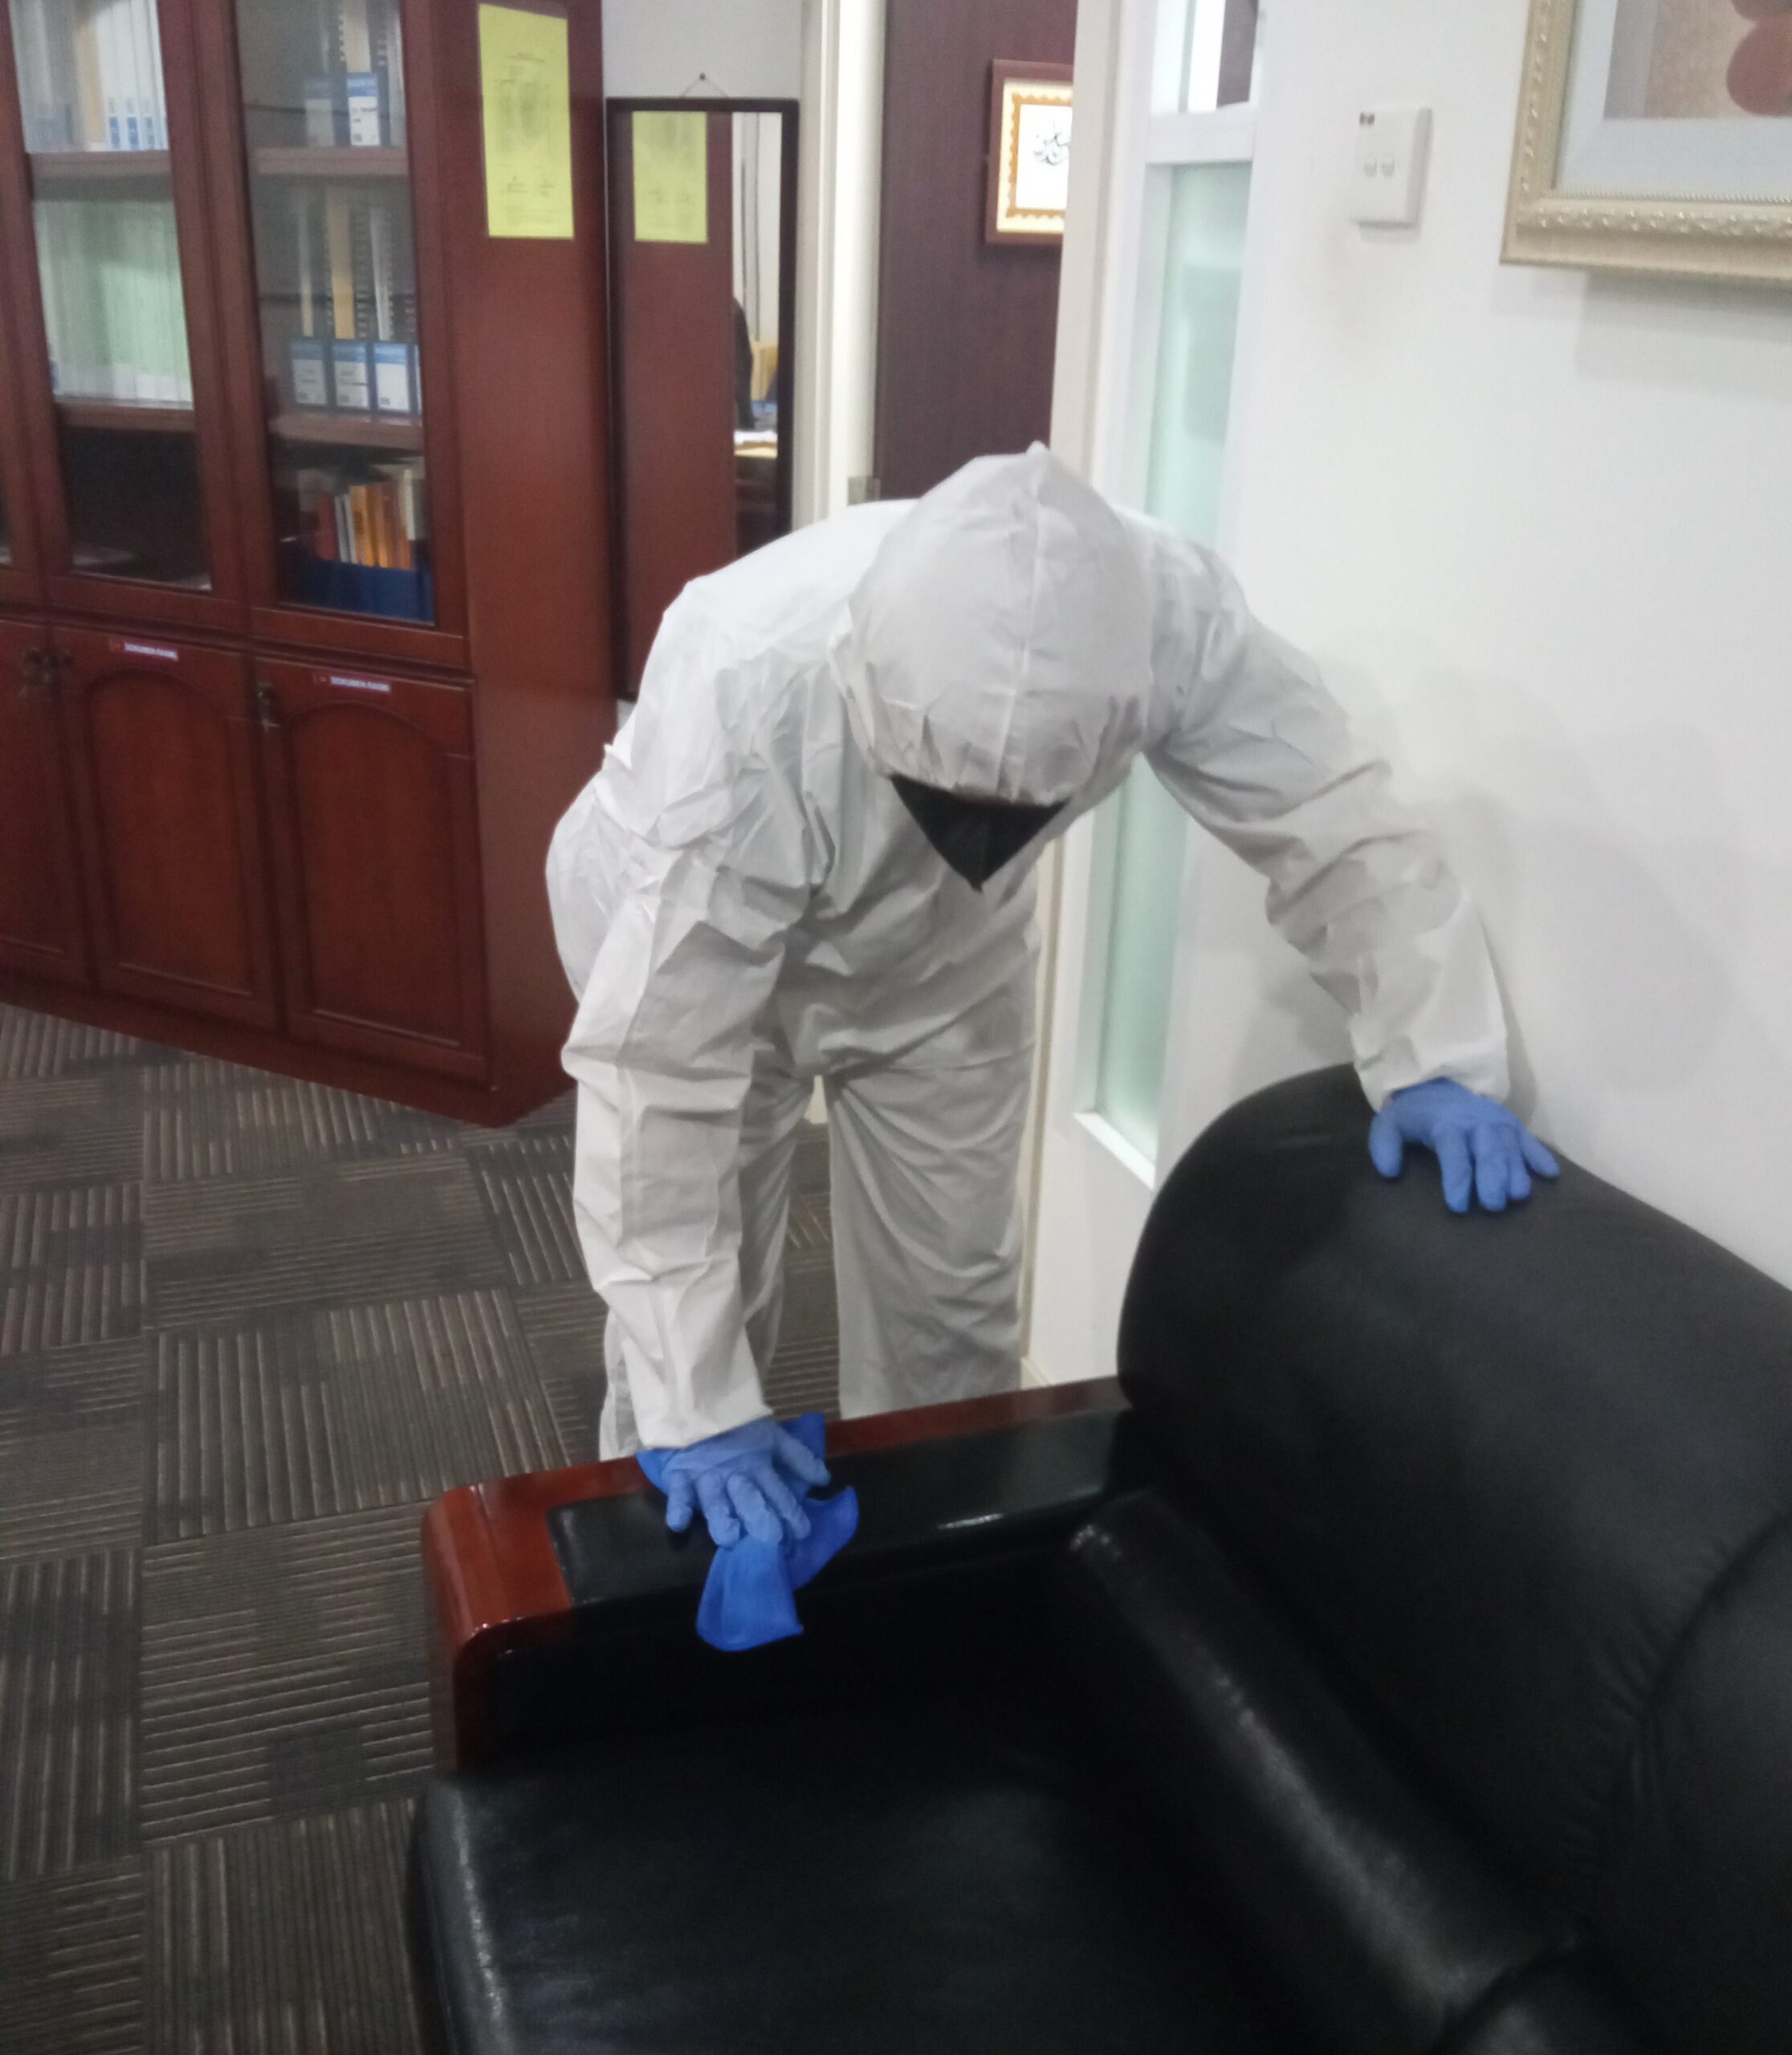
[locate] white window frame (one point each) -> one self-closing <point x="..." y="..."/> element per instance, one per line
<point x="1088" y="1187"/>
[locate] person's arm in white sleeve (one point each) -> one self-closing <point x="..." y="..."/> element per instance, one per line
<point x="1260" y="753"/>
<point x="714" y="876"/>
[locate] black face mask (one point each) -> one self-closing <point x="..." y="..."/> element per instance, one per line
<point x="975" y="836"/>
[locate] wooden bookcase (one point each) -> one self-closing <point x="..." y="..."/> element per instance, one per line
<point x="305" y="640"/>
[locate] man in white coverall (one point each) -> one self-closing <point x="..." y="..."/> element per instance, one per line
<point x="809" y="854"/>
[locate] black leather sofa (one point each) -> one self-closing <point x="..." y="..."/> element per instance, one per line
<point x="1408" y="1669"/>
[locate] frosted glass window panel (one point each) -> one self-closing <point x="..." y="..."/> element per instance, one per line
<point x="1191" y="397"/>
<point x="1189" y="293"/>
<point x="1150" y="836"/>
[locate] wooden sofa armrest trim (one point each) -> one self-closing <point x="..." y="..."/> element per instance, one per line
<point x="495" y="1581"/>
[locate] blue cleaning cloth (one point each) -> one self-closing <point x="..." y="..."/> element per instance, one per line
<point x="749" y="1595"/>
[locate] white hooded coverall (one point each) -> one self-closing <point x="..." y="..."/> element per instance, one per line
<point x="744" y="904"/>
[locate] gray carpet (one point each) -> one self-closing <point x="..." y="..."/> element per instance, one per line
<point x="248" y="1328"/>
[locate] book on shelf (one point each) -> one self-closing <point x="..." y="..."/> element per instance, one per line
<point x="356" y="308"/>
<point x="351" y="375"/>
<point x="311" y="373"/>
<point x="320" y="111"/>
<point x="114" y="317"/>
<point x="356" y="98"/>
<point x="364" y="92"/>
<point x="310" y="360"/>
<point x="351" y="365"/>
<point x="376" y="523"/>
<point x="90" y="75"/>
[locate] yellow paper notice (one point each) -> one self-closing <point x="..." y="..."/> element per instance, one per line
<point x="671" y="177"/>
<point x="528" y="146"/>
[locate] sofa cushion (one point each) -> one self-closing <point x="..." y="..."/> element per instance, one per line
<point x="922" y="1879"/>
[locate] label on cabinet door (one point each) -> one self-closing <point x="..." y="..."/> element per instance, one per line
<point x="156" y="650"/>
<point x="352" y="683"/>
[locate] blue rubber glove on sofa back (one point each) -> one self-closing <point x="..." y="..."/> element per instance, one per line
<point x="749" y="1596"/>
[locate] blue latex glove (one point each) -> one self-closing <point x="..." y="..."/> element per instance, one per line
<point x="749" y="1595"/>
<point x="1484" y="1149"/>
<point x="743" y="1480"/>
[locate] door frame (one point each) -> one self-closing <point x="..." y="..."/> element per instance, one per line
<point x="632" y="647"/>
<point x="1087" y="1188"/>
<point x="839" y="185"/>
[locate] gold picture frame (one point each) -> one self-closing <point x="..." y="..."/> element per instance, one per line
<point x="1718" y="234"/>
<point x="1019" y="95"/>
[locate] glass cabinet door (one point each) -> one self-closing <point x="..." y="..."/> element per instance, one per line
<point x="336" y="274"/>
<point x="95" y="110"/>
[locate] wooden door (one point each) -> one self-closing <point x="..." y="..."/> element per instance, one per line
<point x="40" y="908"/>
<point x="673" y="360"/>
<point x="375" y="839"/>
<point x="162" y="749"/>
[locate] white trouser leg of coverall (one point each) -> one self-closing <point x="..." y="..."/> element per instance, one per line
<point x="925" y="1154"/>
<point x="777" y="1099"/>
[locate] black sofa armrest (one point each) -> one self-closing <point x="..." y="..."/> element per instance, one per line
<point x="1381" y="1920"/>
<point x="562" y="1606"/>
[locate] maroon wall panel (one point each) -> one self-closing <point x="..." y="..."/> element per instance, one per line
<point x="966" y="329"/>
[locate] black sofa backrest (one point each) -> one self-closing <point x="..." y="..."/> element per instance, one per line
<point x="1528" y="1480"/>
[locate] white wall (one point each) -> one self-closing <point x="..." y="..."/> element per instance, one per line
<point x="1535" y="525"/>
<point x="751" y="49"/>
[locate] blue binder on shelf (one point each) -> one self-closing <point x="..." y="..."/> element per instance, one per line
<point x="351" y="376"/>
<point x="364" y="588"/>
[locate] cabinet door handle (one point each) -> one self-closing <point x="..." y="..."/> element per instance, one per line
<point x="267" y="707"/>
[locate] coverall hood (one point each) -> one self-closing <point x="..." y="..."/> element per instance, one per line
<point x="1000" y="644"/>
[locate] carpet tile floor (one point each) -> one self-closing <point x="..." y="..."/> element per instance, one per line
<point x="249" y="1327"/>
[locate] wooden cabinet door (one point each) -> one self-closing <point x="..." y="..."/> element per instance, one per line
<point x="162" y="749"/>
<point x="375" y="838"/>
<point x="40" y="908"/>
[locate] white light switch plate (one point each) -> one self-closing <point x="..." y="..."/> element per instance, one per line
<point x="1388" y="165"/>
